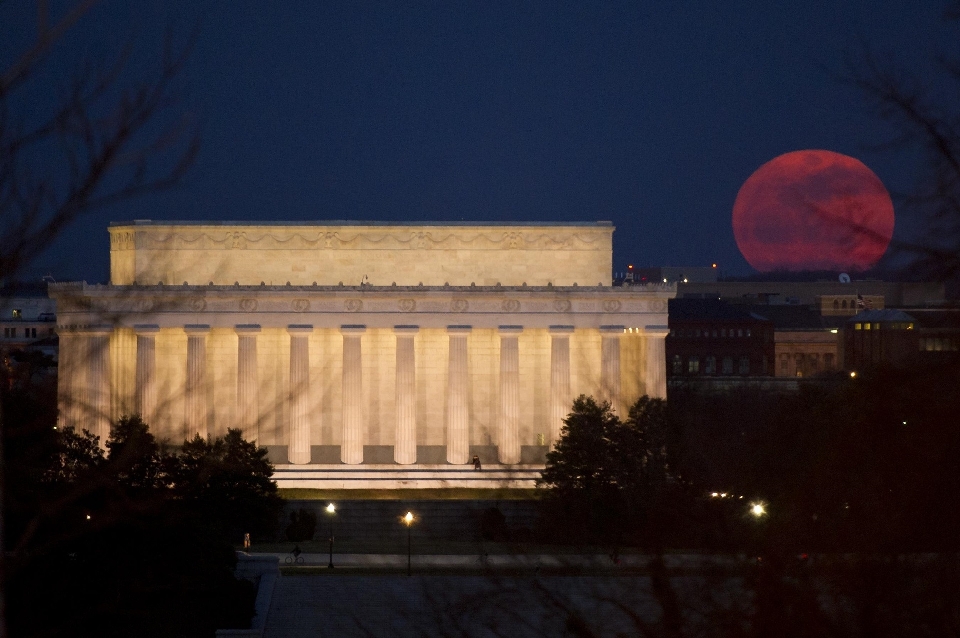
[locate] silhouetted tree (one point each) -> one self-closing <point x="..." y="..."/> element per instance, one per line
<point x="603" y="474"/>
<point x="228" y="482"/>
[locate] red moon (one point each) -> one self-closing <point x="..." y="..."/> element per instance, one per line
<point x="813" y="210"/>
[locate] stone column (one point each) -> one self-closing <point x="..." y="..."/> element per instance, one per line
<point x="508" y="443"/>
<point x="248" y="382"/>
<point x="301" y="417"/>
<point x="560" y="400"/>
<point x="405" y="443"/>
<point x="97" y="396"/>
<point x="195" y="408"/>
<point x="656" y="363"/>
<point x="610" y="366"/>
<point x="351" y="444"/>
<point x="146" y="399"/>
<point x="458" y="417"/>
<point x="67" y="390"/>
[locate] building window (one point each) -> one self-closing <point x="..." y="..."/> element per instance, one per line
<point x="710" y="366"/>
<point x="836" y="304"/>
<point x="740" y="332"/>
<point x="784" y="363"/>
<point x="798" y="362"/>
<point x="828" y="361"/>
<point x="814" y="361"/>
<point x="693" y="365"/>
<point x="748" y="332"/>
<point x="857" y="326"/>
<point x="744" y="365"/>
<point x="33" y="333"/>
<point x="866" y="326"/>
<point x="844" y="304"/>
<point x="677" y="364"/>
<point x="17" y="313"/>
<point x="723" y="332"/>
<point x="728" y="365"/>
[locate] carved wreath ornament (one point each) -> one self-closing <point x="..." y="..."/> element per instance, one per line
<point x="301" y="305"/>
<point x="562" y="305"/>
<point x="611" y="305"/>
<point x="408" y="305"/>
<point x="510" y="305"/>
<point x="248" y="305"/>
<point x="354" y="305"/>
<point x="459" y="305"/>
<point x="197" y="304"/>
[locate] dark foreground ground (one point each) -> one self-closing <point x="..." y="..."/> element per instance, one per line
<point x="583" y="595"/>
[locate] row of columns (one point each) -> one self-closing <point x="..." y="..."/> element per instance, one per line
<point x="95" y="349"/>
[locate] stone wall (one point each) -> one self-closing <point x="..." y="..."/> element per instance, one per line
<point x="328" y="254"/>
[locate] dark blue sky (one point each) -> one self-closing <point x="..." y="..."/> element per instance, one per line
<point x="650" y="115"/>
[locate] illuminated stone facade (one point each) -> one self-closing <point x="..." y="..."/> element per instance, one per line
<point x="382" y="384"/>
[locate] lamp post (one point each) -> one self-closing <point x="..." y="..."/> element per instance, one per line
<point x="408" y="520"/>
<point x="332" y="511"/>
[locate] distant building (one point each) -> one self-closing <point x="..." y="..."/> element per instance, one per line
<point x="902" y="337"/>
<point x="27" y="333"/>
<point x="849" y="296"/>
<point x="880" y="336"/>
<point x="26" y="319"/>
<point x="807" y="343"/>
<point x="666" y="275"/>
<point x="712" y="338"/>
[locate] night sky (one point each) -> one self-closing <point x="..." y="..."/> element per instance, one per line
<point x="650" y="115"/>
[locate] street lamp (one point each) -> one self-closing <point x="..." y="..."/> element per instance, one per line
<point x="331" y="510"/>
<point x="758" y="510"/>
<point x="408" y="520"/>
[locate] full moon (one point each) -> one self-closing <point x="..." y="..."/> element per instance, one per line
<point x="813" y="210"/>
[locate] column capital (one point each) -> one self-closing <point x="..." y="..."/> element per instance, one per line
<point x="509" y="330"/>
<point x="146" y="329"/>
<point x="612" y="331"/>
<point x="353" y="329"/>
<point x="406" y="330"/>
<point x="247" y="328"/>
<point x="561" y="330"/>
<point x="656" y="331"/>
<point x="459" y="330"/>
<point x="299" y="329"/>
<point x="196" y="328"/>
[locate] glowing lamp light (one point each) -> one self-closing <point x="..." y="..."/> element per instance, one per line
<point x="88" y="517"/>
<point x="331" y="509"/>
<point x="408" y="519"/>
<point x="853" y="375"/>
<point x="833" y="331"/>
<point x="713" y="265"/>
<point x="758" y="510"/>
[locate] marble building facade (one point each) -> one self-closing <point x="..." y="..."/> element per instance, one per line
<point x="360" y="355"/>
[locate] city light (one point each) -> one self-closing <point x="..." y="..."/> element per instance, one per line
<point x="757" y="509"/>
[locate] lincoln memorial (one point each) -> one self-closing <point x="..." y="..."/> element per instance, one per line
<point x="360" y="354"/>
